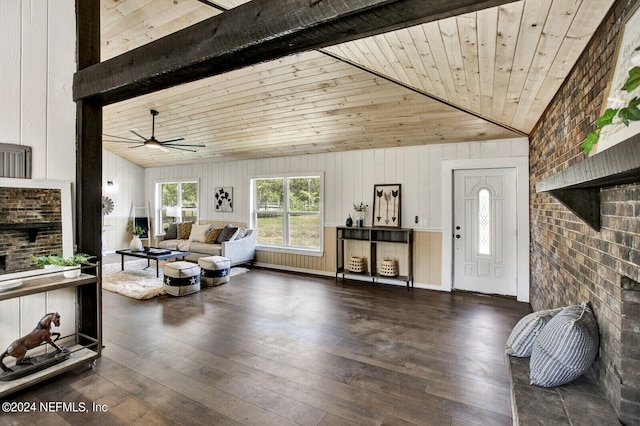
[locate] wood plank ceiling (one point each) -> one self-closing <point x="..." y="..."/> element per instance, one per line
<point x="479" y="76"/>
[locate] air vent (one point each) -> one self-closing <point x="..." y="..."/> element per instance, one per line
<point x="15" y="161"/>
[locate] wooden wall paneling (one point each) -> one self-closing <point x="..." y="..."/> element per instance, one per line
<point x="434" y="38"/>
<point x="61" y="110"/>
<point x="32" y="308"/>
<point x="557" y="24"/>
<point x="508" y="28"/>
<point x="33" y="114"/>
<point x="468" y="29"/>
<point x="10" y="71"/>
<point x="412" y="198"/>
<point x="565" y="59"/>
<point x="10" y="320"/>
<point x="435" y="184"/>
<point x="487" y="40"/>
<point x="451" y="42"/>
<point x="529" y="34"/>
<point x="63" y="301"/>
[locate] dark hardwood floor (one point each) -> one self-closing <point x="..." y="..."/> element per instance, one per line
<point x="272" y="348"/>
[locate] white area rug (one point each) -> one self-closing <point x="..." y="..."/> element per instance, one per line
<point x="137" y="282"/>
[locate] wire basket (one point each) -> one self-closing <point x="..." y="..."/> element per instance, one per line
<point x="357" y="264"/>
<point x="389" y="268"/>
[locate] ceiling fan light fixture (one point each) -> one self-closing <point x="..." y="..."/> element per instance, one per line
<point x="152" y="143"/>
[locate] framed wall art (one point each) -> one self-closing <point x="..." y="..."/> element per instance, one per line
<point x="629" y="41"/>
<point x="386" y="205"/>
<point x="223" y="199"/>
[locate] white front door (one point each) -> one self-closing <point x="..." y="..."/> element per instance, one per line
<point x="485" y="231"/>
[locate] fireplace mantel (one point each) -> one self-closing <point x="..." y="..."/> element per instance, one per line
<point x="578" y="187"/>
<point x="31" y="227"/>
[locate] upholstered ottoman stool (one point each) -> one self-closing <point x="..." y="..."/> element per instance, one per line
<point x="181" y="278"/>
<point x="214" y="270"/>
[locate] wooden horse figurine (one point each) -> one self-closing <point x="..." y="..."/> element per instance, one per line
<point x="42" y="333"/>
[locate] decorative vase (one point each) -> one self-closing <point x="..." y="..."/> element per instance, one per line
<point x="136" y="244"/>
<point x="71" y="271"/>
<point x="360" y="219"/>
<point x="349" y="222"/>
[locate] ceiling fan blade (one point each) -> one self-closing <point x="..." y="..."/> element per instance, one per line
<point x="137" y="146"/>
<point x="120" y="137"/>
<point x="173" y="145"/>
<point x="138" y="135"/>
<point x="172" y="140"/>
<point x="109" y="141"/>
<point x="182" y="149"/>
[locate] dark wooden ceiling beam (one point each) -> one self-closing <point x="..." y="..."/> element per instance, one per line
<point x="251" y="33"/>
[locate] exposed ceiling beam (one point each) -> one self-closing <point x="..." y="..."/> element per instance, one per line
<point x="214" y="5"/>
<point x="254" y="32"/>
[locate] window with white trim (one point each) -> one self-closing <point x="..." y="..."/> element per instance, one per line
<point x="177" y="201"/>
<point x="287" y="212"/>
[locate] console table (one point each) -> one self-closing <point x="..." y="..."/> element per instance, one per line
<point x="374" y="237"/>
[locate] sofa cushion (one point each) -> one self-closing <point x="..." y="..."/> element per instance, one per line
<point x="199" y="232"/>
<point x="520" y="341"/>
<point x="184" y="245"/>
<point x="212" y="235"/>
<point x="172" y="231"/>
<point x="169" y="244"/>
<point x="228" y="233"/>
<point x="565" y="348"/>
<point x="184" y="230"/>
<point x="204" y="248"/>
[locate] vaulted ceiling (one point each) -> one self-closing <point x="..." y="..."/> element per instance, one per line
<point x="483" y="75"/>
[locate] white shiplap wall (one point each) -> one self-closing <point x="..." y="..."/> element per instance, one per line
<point x="36" y="77"/>
<point x="349" y="177"/>
<point x="37" y="62"/>
<point x="128" y="188"/>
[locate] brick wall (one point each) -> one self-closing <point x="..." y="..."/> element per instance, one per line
<point x="570" y="262"/>
<point x="24" y="206"/>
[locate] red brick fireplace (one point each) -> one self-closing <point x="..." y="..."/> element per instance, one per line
<point x="570" y="261"/>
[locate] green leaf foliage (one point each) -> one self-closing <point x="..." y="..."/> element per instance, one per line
<point x="630" y="112"/>
<point x="633" y="81"/>
<point x="606" y="119"/>
<point x="590" y="141"/>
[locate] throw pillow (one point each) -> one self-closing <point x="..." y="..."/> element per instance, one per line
<point x="227" y="234"/>
<point x="184" y="230"/>
<point x="242" y="232"/>
<point x="520" y="341"/>
<point x="565" y="348"/>
<point x="212" y="235"/>
<point x="172" y="231"/>
<point x="198" y="232"/>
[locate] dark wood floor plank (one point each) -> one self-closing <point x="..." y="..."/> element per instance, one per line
<point x="280" y="348"/>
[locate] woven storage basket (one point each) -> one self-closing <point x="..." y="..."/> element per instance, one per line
<point x="389" y="268"/>
<point x="357" y="264"/>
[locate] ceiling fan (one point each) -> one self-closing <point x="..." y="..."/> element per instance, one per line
<point x="152" y="142"/>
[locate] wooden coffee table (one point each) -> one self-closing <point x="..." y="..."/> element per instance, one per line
<point x="161" y="255"/>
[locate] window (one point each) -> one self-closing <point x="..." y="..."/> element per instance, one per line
<point x="287" y="212"/>
<point x="178" y="202"/>
<point x="484" y="222"/>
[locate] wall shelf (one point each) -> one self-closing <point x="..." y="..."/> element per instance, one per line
<point x="32" y="228"/>
<point x="85" y="345"/>
<point x="578" y="187"/>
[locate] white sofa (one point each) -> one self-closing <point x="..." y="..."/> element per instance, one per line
<point x="238" y="250"/>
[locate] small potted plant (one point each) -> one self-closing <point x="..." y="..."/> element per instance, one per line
<point x="360" y="209"/>
<point x="70" y="265"/>
<point x="136" y="244"/>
